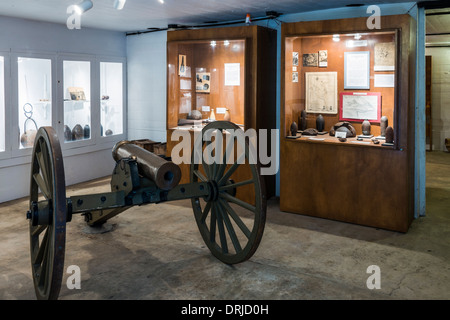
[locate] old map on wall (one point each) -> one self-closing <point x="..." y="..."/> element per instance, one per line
<point x="358" y="106"/>
<point x="321" y="92"/>
<point x="384" y="56"/>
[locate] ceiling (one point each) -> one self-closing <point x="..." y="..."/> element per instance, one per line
<point x="438" y="27"/>
<point x="138" y="15"/>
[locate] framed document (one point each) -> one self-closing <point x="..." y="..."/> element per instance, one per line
<point x="321" y="92"/>
<point x="311" y="60"/>
<point x="323" y="58"/>
<point x="182" y="65"/>
<point x="384" y="56"/>
<point x="357" y="70"/>
<point x="295" y="58"/>
<point x="359" y="106"/>
<point x="202" y="82"/>
<point x="232" y="74"/>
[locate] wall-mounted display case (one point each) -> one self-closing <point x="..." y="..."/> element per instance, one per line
<point x="77" y="100"/>
<point x="34" y="97"/>
<point x="221" y="74"/>
<point x="347" y="109"/>
<point x="2" y="104"/>
<point x="111" y="99"/>
<point x="78" y="95"/>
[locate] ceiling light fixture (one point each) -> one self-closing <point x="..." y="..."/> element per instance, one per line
<point x="161" y="1"/>
<point x="336" y="38"/>
<point x="358" y="36"/>
<point x="213" y="43"/>
<point x="83" y="6"/>
<point x="118" y="4"/>
<point x="226" y="43"/>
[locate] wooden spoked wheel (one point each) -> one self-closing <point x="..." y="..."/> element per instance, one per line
<point x="231" y="218"/>
<point x="47" y="214"/>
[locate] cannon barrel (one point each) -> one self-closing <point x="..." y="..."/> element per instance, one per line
<point x="164" y="173"/>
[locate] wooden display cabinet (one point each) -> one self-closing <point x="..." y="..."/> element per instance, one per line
<point x="352" y="181"/>
<point x="230" y="69"/>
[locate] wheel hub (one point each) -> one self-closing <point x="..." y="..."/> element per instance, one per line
<point x="40" y="213"/>
<point x="213" y="191"/>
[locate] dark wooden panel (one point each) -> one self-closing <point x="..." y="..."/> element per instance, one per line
<point x="428" y="120"/>
<point x="346" y="184"/>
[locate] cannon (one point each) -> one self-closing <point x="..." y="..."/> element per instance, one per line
<point x="230" y="225"/>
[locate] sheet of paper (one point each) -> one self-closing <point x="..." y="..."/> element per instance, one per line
<point x="232" y="74"/>
<point x="384" y="80"/>
<point x="357" y="70"/>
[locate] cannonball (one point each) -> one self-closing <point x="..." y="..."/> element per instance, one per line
<point x="194" y="115"/>
<point x="27" y="138"/>
<point x="67" y="133"/>
<point x="77" y="132"/>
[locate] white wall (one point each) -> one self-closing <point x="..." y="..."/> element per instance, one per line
<point x="440" y="96"/>
<point x="146" y="56"/>
<point x="19" y="35"/>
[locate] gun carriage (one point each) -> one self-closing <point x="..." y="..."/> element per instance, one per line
<point x="231" y="227"/>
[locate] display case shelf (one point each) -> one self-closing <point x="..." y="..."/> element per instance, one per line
<point x="342" y="72"/>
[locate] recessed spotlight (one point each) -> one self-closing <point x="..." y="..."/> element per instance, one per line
<point x="355" y="5"/>
<point x="358" y="36"/>
<point x="226" y="43"/>
<point x="336" y="38"/>
<point x="84" y="6"/>
<point x="213" y="43"/>
<point x="161" y="1"/>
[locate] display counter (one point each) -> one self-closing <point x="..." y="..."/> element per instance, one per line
<point x="347" y="121"/>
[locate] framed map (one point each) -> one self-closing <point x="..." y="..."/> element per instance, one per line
<point x="384" y="56"/>
<point x="359" y="106"/>
<point x="321" y="92"/>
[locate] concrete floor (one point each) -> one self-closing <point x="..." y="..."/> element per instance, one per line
<point x="156" y="252"/>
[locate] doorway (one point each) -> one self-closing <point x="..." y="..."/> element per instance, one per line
<point x="438" y="79"/>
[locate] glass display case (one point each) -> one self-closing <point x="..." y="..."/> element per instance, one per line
<point x="207" y="80"/>
<point x="347" y="120"/>
<point x="221" y="74"/>
<point x="2" y="104"/>
<point x="341" y="87"/>
<point x="111" y="98"/>
<point x="76" y="94"/>
<point x="34" y="97"/>
<point x="77" y="100"/>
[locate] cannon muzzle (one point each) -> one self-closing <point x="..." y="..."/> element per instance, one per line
<point x="164" y="173"/>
